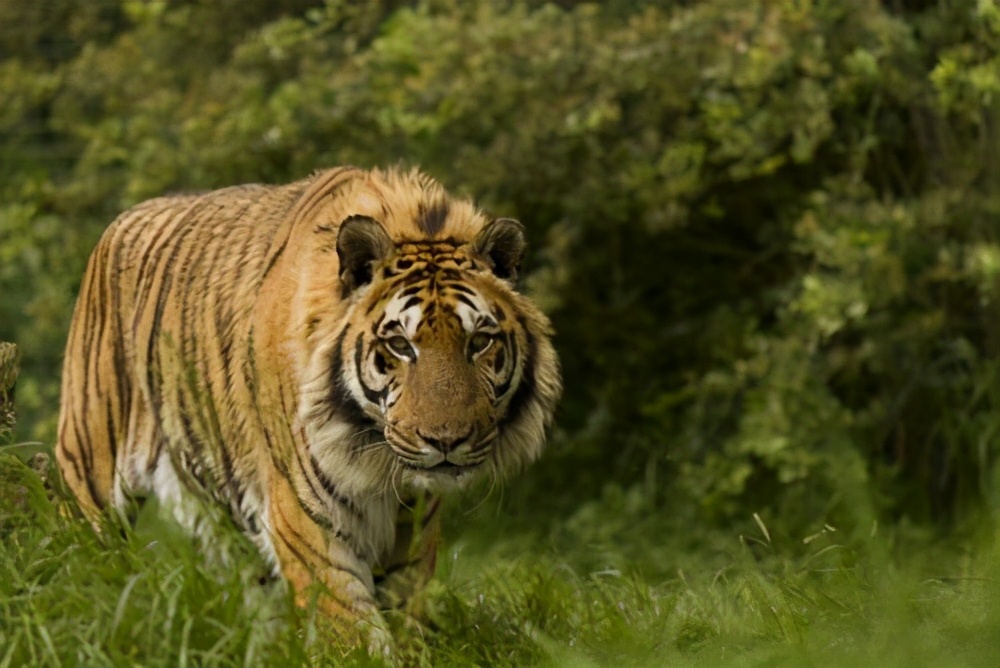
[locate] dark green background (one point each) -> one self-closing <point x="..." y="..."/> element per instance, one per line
<point x="767" y="231"/>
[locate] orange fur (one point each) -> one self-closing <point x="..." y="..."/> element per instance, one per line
<point x="226" y="350"/>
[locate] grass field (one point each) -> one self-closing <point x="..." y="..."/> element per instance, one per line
<point x="613" y="583"/>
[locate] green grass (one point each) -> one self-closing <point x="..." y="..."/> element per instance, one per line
<point x="600" y="587"/>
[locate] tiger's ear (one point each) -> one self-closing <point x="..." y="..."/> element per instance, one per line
<point x="502" y="243"/>
<point x="362" y="243"/>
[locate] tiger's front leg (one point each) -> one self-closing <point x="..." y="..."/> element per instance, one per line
<point x="413" y="558"/>
<point x="308" y="555"/>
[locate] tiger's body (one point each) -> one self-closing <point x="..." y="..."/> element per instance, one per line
<point x="311" y="357"/>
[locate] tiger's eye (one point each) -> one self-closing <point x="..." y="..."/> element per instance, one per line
<point x="400" y="346"/>
<point x="479" y="342"/>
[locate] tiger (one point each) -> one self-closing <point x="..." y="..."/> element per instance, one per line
<point x="317" y="360"/>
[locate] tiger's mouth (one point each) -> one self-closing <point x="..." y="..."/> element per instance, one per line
<point x="445" y="468"/>
<point x="417" y="456"/>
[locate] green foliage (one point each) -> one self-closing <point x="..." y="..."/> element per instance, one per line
<point x="8" y="380"/>
<point x="766" y="230"/>
<point x="69" y="596"/>
<point x="144" y="596"/>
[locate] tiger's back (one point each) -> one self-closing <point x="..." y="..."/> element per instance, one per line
<point x="172" y="281"/>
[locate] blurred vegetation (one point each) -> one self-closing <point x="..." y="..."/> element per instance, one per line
<point x="768" y="231"/>
<point x="8" y="379"/>
<point x="141" y="595"/>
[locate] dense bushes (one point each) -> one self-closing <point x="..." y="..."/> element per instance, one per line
<point x="767" y="231"/>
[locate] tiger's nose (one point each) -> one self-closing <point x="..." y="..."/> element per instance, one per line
<point x="445" y="443"/>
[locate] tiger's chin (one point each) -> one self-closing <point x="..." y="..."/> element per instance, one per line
<point x="443" y="477"/>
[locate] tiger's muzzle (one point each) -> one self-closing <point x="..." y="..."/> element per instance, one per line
<point x="441" y="450"/>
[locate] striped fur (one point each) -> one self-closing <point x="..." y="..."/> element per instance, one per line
<point x="308" y="357"/>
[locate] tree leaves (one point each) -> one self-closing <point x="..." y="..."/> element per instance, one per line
<point x="765" y="228"/>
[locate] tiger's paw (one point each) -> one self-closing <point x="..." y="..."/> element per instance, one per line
<point x="378" y="639"/>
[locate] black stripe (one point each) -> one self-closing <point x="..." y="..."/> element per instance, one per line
<point x="232" y="481"/>
<point x="285" y="408"/>
<point x="226" y="357"/>
<point x="85" y="447"/>
<point x="321" y="520"/>
<point x="274" y="258"/>
<point x="331" y="190"/>
<point x="120" y="365"/>
<point x="292" y="548"/>
<point x="279" y="464"/>
<point x="72" y="459"/>
<point x="331" y="489"/>
<point x="370" y="394"/>
<point x="498" y="361"/>
<point x="338" y="178"/>
<point x="164" y="269"/>
<point x="187" y="340"/>
<point x="223" y="307"/>
<point x="85" y="411"/>
<point x="148" y="268"/>
<point x="386" y="287"/>
<point x="349" y="571"/>
<point x="156" y="446"/>
<point x="526" y="388"/>
<point x="193" y="440"/>
<point x="89" y="477"/>
<point x="98" y="301"/>
<point x="319" y="497"/>
<point x="112" y="430"/>
<point x="88" y="298"/>
<point x="250" y="377"/>
<point x="465" y="300"/>
<point x="292" y="545"/>
<point x="201" y="389"/>
<point x="430" y="512"/>
<point x="247" y="518"/>
<point x="380" y="362"/>
<point x="323" y="559"/>
<point x="503" y="388"/>
<point x="342" y="403"/>
<point x="431" y="218"/>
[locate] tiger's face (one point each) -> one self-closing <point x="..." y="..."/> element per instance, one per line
<point x="437" y="363"/>
<point x="442" y="361"/>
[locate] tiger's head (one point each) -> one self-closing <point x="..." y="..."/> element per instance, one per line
<point x="442" y="369"/>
